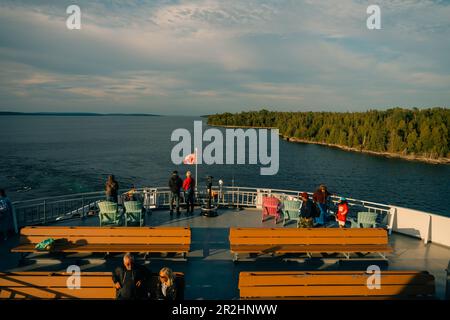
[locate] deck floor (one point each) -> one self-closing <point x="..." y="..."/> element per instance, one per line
<point x="209" y="270"/>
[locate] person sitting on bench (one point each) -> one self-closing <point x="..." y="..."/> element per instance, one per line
<point x="130" y="280"/>
<point x="166" y="288"/>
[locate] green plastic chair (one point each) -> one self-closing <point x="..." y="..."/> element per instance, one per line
<point x="366" y="220"/>
<point x="290" y="210"/>
<point x="109" y="213"/>
<point x="133" y="213"/>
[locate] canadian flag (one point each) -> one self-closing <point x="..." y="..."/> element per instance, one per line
<point x="190" y="159"/>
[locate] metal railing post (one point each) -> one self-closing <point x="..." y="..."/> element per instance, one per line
<point x="82" y="206"/>
<point x="45" y="213"/>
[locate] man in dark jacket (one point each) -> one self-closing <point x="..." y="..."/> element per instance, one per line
<point x="175" y="184"/>
<point x="131" y="280"/>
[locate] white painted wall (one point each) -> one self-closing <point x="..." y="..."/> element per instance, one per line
<point x="423" y="225"/>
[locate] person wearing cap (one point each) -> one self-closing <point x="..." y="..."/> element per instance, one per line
<point x="342" y="212"/>
<point x="306" y="212"/>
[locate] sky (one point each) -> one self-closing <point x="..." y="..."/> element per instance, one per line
<point x="204" y="57"/>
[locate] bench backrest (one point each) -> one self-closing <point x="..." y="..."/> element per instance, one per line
<point x="108" y="235"/>
<point x="337" y="284"/>
<point x="308" y="236"/>
<point x="53" y="285"/>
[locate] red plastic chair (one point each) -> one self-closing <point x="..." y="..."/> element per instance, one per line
<point x="270" y="208"/>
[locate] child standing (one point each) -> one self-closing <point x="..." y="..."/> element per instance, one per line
<point x="341" y="216"/>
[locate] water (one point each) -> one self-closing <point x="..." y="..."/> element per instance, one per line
<point x="53" y="155"/>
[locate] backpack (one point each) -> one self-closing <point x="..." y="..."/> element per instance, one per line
<point x="45" y="245"/>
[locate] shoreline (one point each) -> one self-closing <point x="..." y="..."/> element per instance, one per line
<point x="351" y="149"/>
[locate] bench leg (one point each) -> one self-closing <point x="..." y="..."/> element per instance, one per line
<point x="347" y="255"/>
<point x="235" y="257"/>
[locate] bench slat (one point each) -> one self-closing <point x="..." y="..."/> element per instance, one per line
<point x="82" y="240"/>
<point x="106" y="231"/>
<point x="309" y="240"/>
<point x="309" y="232"/>
<point x="337" y="279"/>
<point x="338" y="291"/>
<point x="309" y="248"/>
<point x="61" y="293"/>
<point x="107" y="248"/>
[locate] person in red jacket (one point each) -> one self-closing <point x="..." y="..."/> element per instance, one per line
<point x="341" y="215"/>
<point x="189" y="190"/>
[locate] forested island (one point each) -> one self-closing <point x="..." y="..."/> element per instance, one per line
<point x="415" y="134"/>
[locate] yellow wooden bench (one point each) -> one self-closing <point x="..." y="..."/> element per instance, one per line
<point x="107" y="239"/>
<point x="334" y="285"/>
<point x="53" y="285"/>
<point x="308" y="240"/>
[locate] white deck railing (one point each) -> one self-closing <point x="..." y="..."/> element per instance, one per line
<point x="423" y="225"/>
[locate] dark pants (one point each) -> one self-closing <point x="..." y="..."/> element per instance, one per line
<point x="174" y="196"/>
<point x="189" y="201"/>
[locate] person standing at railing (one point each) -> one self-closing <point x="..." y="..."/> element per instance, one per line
<point x="320" y="197"/>
<point x="189" y="190"/>
<point x="342" y="212"/>
<point x="175" y="184"/>
<point x="6" y="212"/>
<point x="112" y="189"/>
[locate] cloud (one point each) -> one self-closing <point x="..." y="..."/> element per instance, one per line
<point x="207" y="56"/>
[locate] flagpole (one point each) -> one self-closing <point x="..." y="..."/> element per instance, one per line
<point x="196" y="162"/>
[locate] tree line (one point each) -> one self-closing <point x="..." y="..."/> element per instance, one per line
<point x="417" y="132"/>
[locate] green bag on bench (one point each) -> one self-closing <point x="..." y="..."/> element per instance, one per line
<point x="45" y="245"/>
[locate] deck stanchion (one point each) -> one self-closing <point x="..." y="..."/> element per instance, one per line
<point x="45" y="215"/>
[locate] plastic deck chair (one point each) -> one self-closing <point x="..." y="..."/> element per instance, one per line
<point x="133" y="213"/>
<point x="109" y="213"/>
<point x="366" y="220"/>
<point x="290" y="210"/>
<point x="270" y="208"/>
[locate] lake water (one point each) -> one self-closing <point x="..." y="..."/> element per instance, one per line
<point x="54" y="155"/>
